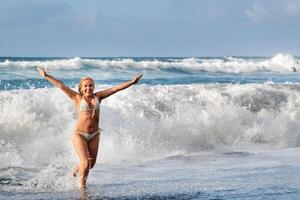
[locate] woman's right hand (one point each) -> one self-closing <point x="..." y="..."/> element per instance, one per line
<point x="42" y="72"/>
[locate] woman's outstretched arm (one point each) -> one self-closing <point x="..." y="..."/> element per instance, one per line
<point x="68" y="91"/>
<point x="107" y="92"/>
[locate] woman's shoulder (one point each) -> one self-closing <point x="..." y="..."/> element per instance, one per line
<point x="78" y="98"/>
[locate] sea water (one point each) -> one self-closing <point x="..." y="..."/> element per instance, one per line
<point x="193" y="128"/>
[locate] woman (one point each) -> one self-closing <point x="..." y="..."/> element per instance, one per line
<point x="87" y="132"/>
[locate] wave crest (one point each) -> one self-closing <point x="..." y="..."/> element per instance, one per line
<point x="281" y="63"/>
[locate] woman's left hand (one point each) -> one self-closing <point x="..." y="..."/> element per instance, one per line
<point x="42" y="72"/>
<point x="137" y="78"/>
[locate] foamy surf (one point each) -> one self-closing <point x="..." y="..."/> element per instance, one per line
<point x="227" y="174"/>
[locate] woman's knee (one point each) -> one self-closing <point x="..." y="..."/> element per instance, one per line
<point x="85" y="164"/>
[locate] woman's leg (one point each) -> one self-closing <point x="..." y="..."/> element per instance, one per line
<point x="93" y="146"/>
<point x="81" y="148"/>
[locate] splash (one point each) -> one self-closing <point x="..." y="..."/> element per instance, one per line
<point x="150" y="122"/>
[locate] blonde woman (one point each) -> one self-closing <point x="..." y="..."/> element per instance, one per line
<point x="87" y="132"/>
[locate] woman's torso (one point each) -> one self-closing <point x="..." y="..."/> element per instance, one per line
<point x="88" y="114"/>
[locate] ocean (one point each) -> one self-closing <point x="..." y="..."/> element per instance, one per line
<point x="193" y="128"/>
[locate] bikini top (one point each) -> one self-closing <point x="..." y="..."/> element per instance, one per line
<point x="85" y="107"/>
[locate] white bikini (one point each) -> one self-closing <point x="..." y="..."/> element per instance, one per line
<point x="84" y="107"/>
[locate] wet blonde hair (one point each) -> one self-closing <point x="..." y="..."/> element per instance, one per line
<point x="81" y="81"/>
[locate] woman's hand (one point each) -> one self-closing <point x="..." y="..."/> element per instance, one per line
<point x="42" y="72"/>
<point x="137" y="78"/>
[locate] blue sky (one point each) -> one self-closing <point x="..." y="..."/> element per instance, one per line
<point x="149" y="28"/>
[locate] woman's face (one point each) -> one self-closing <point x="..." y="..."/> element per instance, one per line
<point x="87" y="88"/>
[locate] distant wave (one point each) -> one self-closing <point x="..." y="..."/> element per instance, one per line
<point x="281" y="63"/>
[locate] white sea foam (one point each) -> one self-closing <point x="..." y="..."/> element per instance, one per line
<point x="281" y="63"/>
<point x="149" y="122"/>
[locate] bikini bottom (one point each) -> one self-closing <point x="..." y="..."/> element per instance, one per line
<point x="89" y="136"/>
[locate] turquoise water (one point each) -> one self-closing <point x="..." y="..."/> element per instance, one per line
<point x="21" y="73"/>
